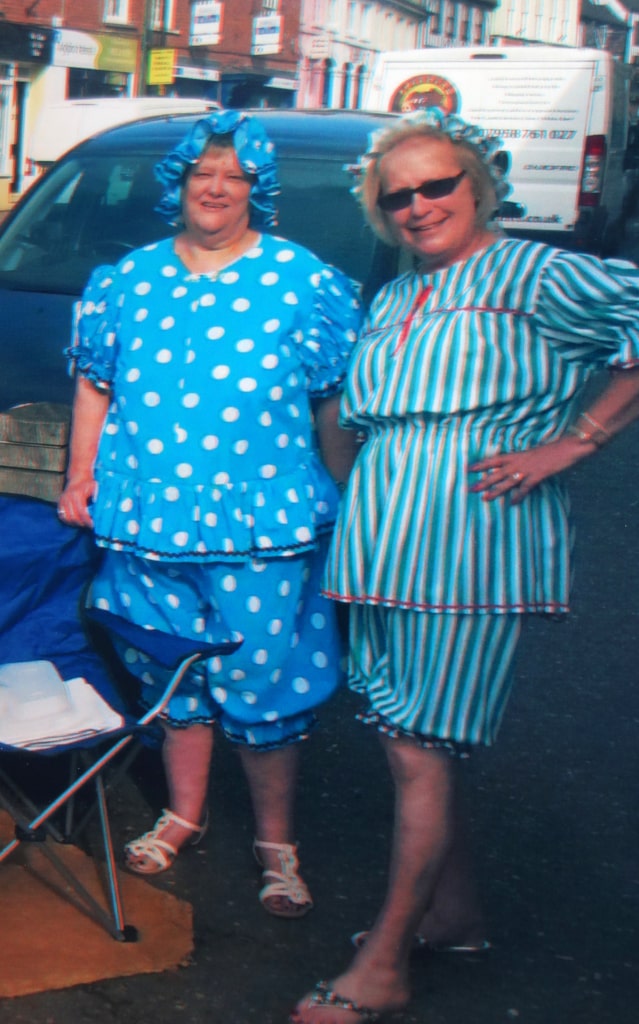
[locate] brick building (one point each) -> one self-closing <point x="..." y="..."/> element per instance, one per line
<point x="238" y="52"/>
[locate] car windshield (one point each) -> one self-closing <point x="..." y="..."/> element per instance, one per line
<point x="85" y="212"/>
<point x="94" y="209"/>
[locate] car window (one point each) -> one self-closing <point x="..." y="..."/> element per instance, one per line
<point x="93" y="210"/>
<point x="84" y="213"/>
<point x="317" y="209"/>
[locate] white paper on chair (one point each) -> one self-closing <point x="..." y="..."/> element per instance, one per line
<point x="40" y="710"/>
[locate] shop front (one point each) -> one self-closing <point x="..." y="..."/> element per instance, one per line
<point x="25" y="52"/>
<point x="95" y="63"/>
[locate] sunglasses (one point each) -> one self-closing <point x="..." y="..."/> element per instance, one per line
<point x="438" y="189"/>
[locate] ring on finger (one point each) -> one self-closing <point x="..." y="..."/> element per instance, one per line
<point x="517" y="477"/>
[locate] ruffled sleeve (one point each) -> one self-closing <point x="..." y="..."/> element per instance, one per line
<point x="331" y="331"/>
<point x="93" y="349"/>
<point x="589" y="309"/>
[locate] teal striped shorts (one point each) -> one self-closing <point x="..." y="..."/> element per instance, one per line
<point x="442" y="679"/>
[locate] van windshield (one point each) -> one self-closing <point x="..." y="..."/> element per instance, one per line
<point x="93" y="210"/>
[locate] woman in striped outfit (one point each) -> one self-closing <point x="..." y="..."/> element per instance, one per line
<point x="466" y="387"/>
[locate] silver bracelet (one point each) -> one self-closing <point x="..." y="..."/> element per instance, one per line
<point x="597" y="436"/>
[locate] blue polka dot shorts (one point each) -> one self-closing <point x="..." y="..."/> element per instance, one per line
<point x="263" y="694"/>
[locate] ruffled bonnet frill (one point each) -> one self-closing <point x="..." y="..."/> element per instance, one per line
<point x="255" y="153"/>
<point x="489" y="148"/>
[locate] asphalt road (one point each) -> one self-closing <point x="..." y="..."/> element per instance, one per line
<point x="554" y="811"/>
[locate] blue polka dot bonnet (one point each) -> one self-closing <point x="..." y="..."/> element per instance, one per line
<point x="255" y="153"/>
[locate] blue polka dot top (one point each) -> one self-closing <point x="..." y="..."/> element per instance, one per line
<point x="208" y="451"/>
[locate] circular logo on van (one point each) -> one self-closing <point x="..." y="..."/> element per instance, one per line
<point x="422" y="92"/>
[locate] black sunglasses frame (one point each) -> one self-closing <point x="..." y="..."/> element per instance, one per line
<point x="391" y="202"/>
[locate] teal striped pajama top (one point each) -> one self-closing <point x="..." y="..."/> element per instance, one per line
<point x="485" y="356"/>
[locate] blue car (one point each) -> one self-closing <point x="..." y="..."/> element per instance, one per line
<point x="97" y="203"/>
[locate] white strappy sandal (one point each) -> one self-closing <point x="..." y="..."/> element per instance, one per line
<point x="285" y="883"/>
<point x="149" y="854"/>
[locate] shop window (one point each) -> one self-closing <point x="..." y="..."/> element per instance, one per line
<point x="347" y="72"/>
<point x="329" y="74"/>
<point x="89" y="83"/>
<point x="360" y="75"/>
<point x="116" y="12"/>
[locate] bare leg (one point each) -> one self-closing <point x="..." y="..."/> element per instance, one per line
<point x="272" y="778"/>
<point x="422" y="841"/>
<point x="186" y="754"/>
<point x="455" y="915"/>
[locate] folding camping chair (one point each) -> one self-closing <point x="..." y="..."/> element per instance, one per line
<point x="74" y="551"/>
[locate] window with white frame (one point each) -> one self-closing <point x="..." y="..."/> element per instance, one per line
<point x="366" y="21"/>
<point x="450" y="23"/>
<point x="162" y="15"/>
<point x="465" y="23"/>
<point x="437" y="20"/>
<point x="116" y="12"/>
<point x="478" y="28"/>
<point x="352" y="27"/>
<point x="389" y="30"/>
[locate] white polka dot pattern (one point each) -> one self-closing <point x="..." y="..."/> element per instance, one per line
<point x="288" y="661"/>
<point x="213" y="378"/>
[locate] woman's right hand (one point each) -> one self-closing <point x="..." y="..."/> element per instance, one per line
<point x="90" y="407"/>
<point x="74" y="501"/>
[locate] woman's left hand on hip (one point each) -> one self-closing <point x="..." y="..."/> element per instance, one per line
<point x="517" y="473"/>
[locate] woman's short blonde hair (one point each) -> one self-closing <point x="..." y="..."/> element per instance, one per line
<point x="470" y="160"/>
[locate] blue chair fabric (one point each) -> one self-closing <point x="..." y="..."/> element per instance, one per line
<point x="45" y="568"/>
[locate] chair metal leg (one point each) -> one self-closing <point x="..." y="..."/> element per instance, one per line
<point x="25" y="807"/>
<point x="32" y="829"/>
<point x="35" y="830"/>
<point x="75" y="828"/>
<point x="88" y="902"/>
<point x="126" y="933"/>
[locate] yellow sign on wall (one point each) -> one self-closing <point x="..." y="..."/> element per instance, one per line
<point x="161" y="69"/>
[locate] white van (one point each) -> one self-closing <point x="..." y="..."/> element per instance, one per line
<point x="564" y="116"/>
<point x="61" y="125"/>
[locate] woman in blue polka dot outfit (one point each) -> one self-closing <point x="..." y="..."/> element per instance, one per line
<point x="206" y="457"/>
